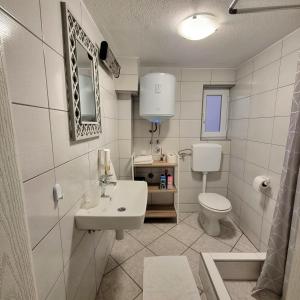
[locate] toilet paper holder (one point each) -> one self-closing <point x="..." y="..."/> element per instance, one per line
<point x="261" y="183"/>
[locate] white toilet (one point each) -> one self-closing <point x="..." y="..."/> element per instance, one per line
<point x="206" y="158"/>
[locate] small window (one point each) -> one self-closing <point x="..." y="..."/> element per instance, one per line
<point x="214" y="116"/>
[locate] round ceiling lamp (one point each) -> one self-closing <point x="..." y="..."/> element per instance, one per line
<point x="198" y="26"/>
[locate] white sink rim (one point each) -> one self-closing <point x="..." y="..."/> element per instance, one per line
<point x="105" y="216"/>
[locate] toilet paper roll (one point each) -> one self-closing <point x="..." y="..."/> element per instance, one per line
<point x="261" y="183"/>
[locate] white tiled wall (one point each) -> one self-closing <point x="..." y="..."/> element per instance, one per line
<point x="184" y="129"/>
<point x="259" y="118"/>
<point x="68" y="263"/>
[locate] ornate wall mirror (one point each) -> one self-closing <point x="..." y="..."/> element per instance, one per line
<point x="82" y="76"/>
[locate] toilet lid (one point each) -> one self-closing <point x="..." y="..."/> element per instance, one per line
<point x="214" y="201"/>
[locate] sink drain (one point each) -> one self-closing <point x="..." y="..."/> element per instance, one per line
<point x="121" y="208"/>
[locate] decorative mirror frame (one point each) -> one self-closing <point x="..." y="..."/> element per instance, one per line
<point x="73" y="32"/>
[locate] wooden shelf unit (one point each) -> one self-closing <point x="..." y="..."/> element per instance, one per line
<point x="162" y="210"/>
<point x="155" y="189"/>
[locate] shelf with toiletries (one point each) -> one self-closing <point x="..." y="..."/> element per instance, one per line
<point x="162" y="180"/>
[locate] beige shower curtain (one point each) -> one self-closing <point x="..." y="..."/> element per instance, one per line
<point x="276" y="269"/>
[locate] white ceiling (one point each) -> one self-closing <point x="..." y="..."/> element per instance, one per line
<point x="147" y="29"/>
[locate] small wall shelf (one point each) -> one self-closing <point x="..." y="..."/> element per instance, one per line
<point x="161" y="210"/>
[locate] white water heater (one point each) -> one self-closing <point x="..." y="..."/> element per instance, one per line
<point x="157" y="97"/>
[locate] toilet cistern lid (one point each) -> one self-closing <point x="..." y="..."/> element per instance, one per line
<point x="214" y="201"/>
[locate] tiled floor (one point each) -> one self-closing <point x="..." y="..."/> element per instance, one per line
<point x="123" y="279"/>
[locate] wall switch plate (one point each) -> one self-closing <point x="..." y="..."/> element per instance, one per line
<point x="57" y="192"/>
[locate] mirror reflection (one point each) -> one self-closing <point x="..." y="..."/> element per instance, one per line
<point x="86" y="85"/>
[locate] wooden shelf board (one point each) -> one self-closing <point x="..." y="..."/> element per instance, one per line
<point x="161" y="211"/>
<point x="155" y="189"/>
<point x="155" y="164"/>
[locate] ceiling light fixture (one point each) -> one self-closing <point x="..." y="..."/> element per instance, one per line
<point x="198" y="26"/>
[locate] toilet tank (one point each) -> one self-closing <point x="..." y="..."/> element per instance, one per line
<point x="206" y="157"/>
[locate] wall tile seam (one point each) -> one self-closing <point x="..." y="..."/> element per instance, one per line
<point x="15" y="19"/>
<point x="275" y="104"/>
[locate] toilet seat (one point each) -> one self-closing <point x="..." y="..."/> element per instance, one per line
<point x="214" y="202"/>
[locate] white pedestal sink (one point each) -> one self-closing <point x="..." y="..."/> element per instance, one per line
<point x="124" y="210"/>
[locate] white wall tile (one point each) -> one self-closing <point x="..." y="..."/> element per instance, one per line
<point x="47" y="262"/>
<point x="280" y="131"/>
<point x="33" y="140"/>
<point x="223" y="75"/>
<point x="63" y="148"/>
<point x="191" y="91"/>
<point x="238" y="148"/>
<point x="288" y="69"/>
<point x="269" y="55"/>
<point x="245" y="69"/>
<point x="265" y="79"/>
<point x="258" y="153"/>
<point x="260" y="130"/>
<point x="196" y="75"/>
<point x="291" y="42"/>
<point x="25" y="67"/>
<point x="191" y="110"/>
<point x="124" y="109"/>
<point x="238" y="128"/>
<point x="237" y="167"/>
<point x="125" y="167"/>
<point x="263" y="105"/>
<point x="41" y="209"/>
<point x="251" y="222"/>
<point x="251" y="171"/>
<point x="242" y="88"/>
<point x="56" y="79"/>
<point x="276" y="158"/>
<point x="75" y="270"/>
<point x="236" y="185"/>
<point x="124" y="129"/>
<point x="125" y="148"/>
<point x="70" y="235"/>
<point x="239" y="109"/>
<point x="284" y="101"/>
<point x="169" y="128"/>
<point x="74" y="179"/>
<point x="190" y="128"/>
<point x="254" y="199"/>
<point x="58" y="291"/>
<point x="51" y="21"/>
<point x="28" y="13"/>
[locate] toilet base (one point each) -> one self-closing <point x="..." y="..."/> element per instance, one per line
<point x="210" y="225"/>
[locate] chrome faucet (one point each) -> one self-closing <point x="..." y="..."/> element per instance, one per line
<point x="104" y="181"/>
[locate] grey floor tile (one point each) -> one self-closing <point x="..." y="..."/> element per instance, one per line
<point x="229" y="235"/>
<point x="207" y="243"/>
<point x="110" y="265"/>
<point x="125" y="248"/>
<point x="166" y="245"/>
<point x="117" y="285"/>
<point x="164" y="225"/>
<point x="194" y="261"/>
<point x="147" y="234"/>
<point x="134" y="266"/>
<point x="244" y="245"/>
<point x="192" y="220"/>
<point x="185" y="233"/>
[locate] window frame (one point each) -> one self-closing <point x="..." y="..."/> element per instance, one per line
<point x="224" y="113"/>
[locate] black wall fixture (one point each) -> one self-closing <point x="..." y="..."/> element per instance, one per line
<point x="109" y="60"/>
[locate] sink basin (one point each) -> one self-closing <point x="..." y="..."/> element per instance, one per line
<point x="124" y="210"/>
